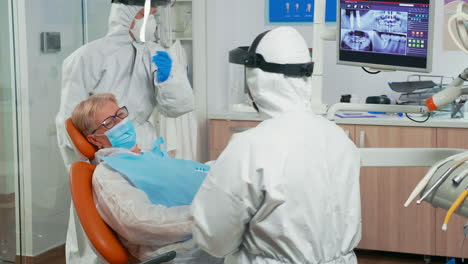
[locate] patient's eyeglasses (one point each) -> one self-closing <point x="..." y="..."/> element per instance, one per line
<point x="111" y="121"/>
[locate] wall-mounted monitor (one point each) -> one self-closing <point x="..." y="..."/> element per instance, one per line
<point x="386" y="34"/>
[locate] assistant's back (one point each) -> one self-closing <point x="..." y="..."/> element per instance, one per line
<point x="308" y="172"/>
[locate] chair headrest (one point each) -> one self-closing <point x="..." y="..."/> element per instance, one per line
<point x="80" y="141"/>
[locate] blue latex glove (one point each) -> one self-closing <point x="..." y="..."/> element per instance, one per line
<point x="163" y="61"/>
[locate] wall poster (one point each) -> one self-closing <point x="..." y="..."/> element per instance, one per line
<point x="299" y="11"/>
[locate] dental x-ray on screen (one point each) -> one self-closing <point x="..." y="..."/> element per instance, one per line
<point x="386" y="34"/>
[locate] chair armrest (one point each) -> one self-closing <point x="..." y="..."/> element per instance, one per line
<point x="161" y="258"/>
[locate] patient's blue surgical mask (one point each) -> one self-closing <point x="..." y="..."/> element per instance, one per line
<point x="122" y="135"/>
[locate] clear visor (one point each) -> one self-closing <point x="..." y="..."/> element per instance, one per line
<point x="164" y="29"/>
<point x="157" y="26"/>
<point x="239" y="100"/>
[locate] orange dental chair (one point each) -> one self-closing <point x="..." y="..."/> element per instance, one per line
<point x="101" y="236"/>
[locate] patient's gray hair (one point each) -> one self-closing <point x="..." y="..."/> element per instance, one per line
<point x="84" y="114"/>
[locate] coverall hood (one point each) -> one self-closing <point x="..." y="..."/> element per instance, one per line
<point x="274" y="93"/>
<point x="120" y="19"/>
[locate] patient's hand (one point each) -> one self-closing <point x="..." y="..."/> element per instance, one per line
<point x="136" y="149"/>
<point x="172" y="153"/>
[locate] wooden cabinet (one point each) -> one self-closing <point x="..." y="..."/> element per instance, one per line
<point x="220" y="132"/>
<point x="349" y="130"/>
<point x="448" y="242"/>
<point x="386" y="224"/>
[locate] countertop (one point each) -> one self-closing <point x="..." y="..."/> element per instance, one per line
<point x="439" y="120"/>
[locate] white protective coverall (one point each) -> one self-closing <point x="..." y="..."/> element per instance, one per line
<point x="180" y="134"/>
<point x="117" y="64"/>
<point x="286" y="191"/>
<point x="146" y="229"/>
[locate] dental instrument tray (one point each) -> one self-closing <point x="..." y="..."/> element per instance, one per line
<point x="418" y="87"/>
<point x="408" y="87"/>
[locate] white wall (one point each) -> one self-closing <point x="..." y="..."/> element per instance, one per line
<point x="237" y="23"/>
<point x="97" y="13"/>
<point x="47" y="204"/>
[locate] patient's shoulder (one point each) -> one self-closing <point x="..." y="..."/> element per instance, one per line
<point x="105" y="175"/>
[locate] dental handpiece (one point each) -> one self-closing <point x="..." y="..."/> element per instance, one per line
<point x="453" y="208"/>
<point x="460" y="177"/>
<point x="441" y="180"/>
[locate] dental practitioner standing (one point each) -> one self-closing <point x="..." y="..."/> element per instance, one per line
<point x="286" y="191"/>
<point x="138" y="71"/>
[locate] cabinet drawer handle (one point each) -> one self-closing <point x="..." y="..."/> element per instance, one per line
<point x="362" y="139"/>
<point x="239" y="129"/>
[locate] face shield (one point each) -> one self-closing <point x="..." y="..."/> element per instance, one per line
<point x="243" y="57"/>
<point x="238" y="98"/>
<point x="154" y="3"/>
<point x="248" y="57"/>
<point x="146" y="26"/>
<point x="141" y="31"/>
<point x="164" y="26"/>
<point x="458" y="27"/>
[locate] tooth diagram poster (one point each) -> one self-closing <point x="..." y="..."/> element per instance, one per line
<point x="297" y="11"/>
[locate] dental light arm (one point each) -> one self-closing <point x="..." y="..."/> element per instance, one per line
<point x="459" y="22"/>
<point x="460" y="38"/>
<point x="322" y="34"/>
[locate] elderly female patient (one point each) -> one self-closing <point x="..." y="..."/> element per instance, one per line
<point x="150" y="212"/>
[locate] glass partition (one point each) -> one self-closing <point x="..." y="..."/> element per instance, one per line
<point x="8" y="195"/>
<point x="35" y="39"/>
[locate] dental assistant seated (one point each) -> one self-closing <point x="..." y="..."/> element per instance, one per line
<point x="286" y="191"/>
<point x="151" y="215"/>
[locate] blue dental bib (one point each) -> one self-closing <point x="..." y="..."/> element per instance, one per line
<point x="165" y="180"/>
